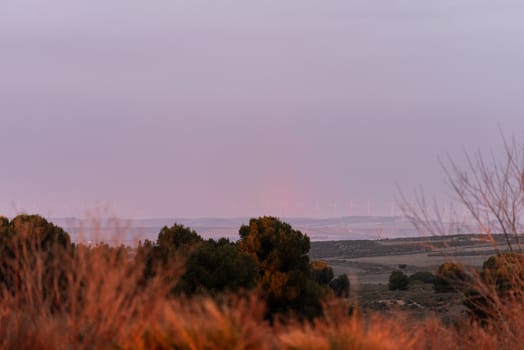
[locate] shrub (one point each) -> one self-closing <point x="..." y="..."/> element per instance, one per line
<point x="340" y="286"/>
<point x="450" y="277"/>
<point x="398" y="281"/>
<point x="505" y="271"/>
<point x="321" y="272"/>
<point x="422" y="276"/>
<point x="501" y="281"/>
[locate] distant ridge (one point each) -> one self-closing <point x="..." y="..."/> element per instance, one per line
<point x="130" y="231"/>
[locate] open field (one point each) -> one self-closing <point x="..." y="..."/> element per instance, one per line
<point x="371" y="262"/>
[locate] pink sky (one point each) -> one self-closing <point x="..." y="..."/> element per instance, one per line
<point x="242" y="108"/>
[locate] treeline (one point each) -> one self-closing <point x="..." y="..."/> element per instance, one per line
<point x="270" y="260"/>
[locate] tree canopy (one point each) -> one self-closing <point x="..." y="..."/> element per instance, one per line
<point x="28" y="242"/>
<point x="32" y="229"/>
<point x="218" y="266"/>
<point x="284" y="271"/>
<point x="172" y="242"/>
<point x="321" y="272"/>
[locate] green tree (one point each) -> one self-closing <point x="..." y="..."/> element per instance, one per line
<point x="29" y="242"/>
<point x="218" y="266"/>
<point x="398" y="281"/>
<point x="210" y="267"/>
<point x="275" y="244"/>
<point x="177" y="241"/>
<point x="177" y="238"/>
<point x="284" y="273"/>
<point x="4" y="224"/>
<point x="33" y="231"/>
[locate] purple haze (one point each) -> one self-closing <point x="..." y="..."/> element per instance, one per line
<point x="243" y="108"/>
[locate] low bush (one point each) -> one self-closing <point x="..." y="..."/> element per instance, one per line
<point x="422" y="276"/>
<point x="500" y="282"/>
<point x="321" y="272"/>
<point x="505" y="272"/>
<point x="450" y="277"/>
<point x="340" y="286"/>
<point x="398" y="280"/>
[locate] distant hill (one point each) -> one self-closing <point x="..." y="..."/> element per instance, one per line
<point x="327" y="229"/>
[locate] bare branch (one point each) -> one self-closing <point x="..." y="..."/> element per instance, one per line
<point x="491" y="189"/>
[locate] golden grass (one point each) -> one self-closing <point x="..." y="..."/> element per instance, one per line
<point x="106" y="307"/>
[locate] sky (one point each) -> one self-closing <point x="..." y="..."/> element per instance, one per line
<point x="236" y="108"/>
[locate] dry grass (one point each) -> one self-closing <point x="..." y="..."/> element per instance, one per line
<point x="105" y="306"/>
